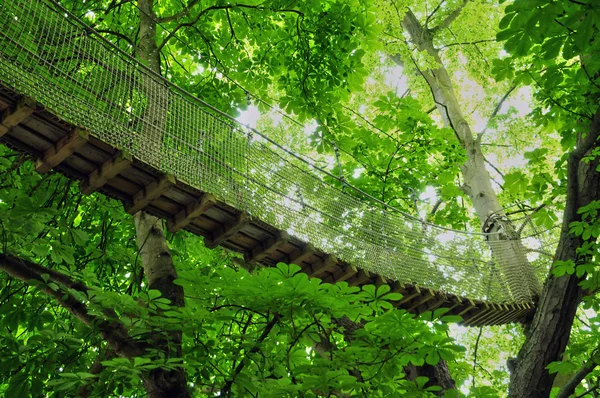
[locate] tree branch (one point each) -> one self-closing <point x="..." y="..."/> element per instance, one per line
<point x="468" y="43"/>
<point x="112" y="330"/>
<point x="213" y="8"/>
<point x="120" y="36"/>
<point x="569" y="388"/>
<point x="225" y="391"/>
<point x="450" y="18"/>
<point x="180" y="14"/>
<point x="433" y="12"/>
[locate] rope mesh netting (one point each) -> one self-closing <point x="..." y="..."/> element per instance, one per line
<point x="53" y="58"/>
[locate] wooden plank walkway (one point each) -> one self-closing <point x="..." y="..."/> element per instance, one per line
<point x="27" y="127"/>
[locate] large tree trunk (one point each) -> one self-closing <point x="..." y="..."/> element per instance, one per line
<point x="508" y="251"/>
<point x="154" y="251"/>
<point x="160" y="274"/>
<point x="551" y="326"/>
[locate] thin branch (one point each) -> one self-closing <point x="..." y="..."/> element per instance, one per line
<point x="569" y="387"/>
<point x="450" y="18"/>
<point x="433" y="12"/>
<point x="498" y="106"/>
<point x="180" y="14"/>
<point x="476" y="349"/>
<point x="112" y="330"/>
<point x="120" y="36"/>
<point x="227" y="387"/>
<point x="467" y="43"/>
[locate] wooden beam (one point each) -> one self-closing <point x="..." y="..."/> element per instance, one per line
<point x="487" y="318"/>
<point x="300" y="255"/>
<point x="409" y="297"/>
<point x="470" y="319"/>
<point x="106" y="172"/>
<point x="150" y="193"/>
<point x="228" y="230"/>
<point x="327" y="264"/>
<point x="12" y="117"/>
<point x="397" y="287"/>
<point x="467" y="309"/>
<point x="436" y="304"/>
<point x="359" y="278"/>
<point x="345" y="273"/>
<point x="191" y="212"/>
<point x="499" y="314"/>
<point x="264" y="249"/>
<point x="380" y="280"/>
<point x="422" y="301"/>
<point x="62" y="150"/>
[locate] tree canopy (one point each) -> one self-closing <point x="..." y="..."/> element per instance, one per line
<point x="460" y="112"/>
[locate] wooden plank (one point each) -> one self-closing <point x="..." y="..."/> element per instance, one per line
<point x="359" y="278"/>
<point x="12" y="117"/>
<point x="301" y="255"/>
<point x="191" y="212"/>
<point x="380" y="281"/>
<point x="436" y="304"/>
<point x="470" y="320"/>
<point x="106" y="172"/>
<point x="425" y="299"/>
<point x="497" y="316"/>
<point x="409" y="297"/>
<point x="345" y="274"/>
<point x="493" y="313"/>
<point x="265" y="249"/>
<point x="513" y="316"/>
<point x="228" y="231"/>
<point x="467" y="309"/>
<point x="62" y="150"/>
<point x="150" y="192"/>
<point x="327" y="264"/>
<point x="397" y="287"/>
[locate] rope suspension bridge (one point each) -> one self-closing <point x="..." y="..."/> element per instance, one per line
<point x="92" y="112"/>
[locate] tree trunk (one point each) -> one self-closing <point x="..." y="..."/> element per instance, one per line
<point x="551" y="326"/>
<point x="154" y="251"/>
<point x="508" y="251"/>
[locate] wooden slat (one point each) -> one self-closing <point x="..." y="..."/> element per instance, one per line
<point x="62" y="150"/>
<point x="409" y="297"/>
<point x="150" y="192"/>
<point x="299" y="256"/>
<point x="106" y="172"/>
<point x="396" y="286"/>
<point x="359" y="278"/>
<point x="467" y="309"/>
<point x="345" y="274"/>
<point x="267" y="248"/>
<point x="380" y="281"/>
<point x="436" y="304"/>
<point x="493" y="313"/>
<point x="12" y="117"/>
<point x="228" y="231"/>
<point x="428" y="296"/>
<point x="327" y="264"/>
<point x="191" y="212"/>
<point x="514" y="315"/>
<point x="472" y="318"/>
<point x="499" y="314"/>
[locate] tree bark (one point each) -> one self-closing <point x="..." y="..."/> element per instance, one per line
<point x="522" y="282"/>
<point x="549" y="331"/>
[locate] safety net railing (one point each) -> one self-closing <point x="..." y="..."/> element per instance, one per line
<point x="55" y="59"/>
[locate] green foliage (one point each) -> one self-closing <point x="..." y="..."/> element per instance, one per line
<point x="225" y="322"/>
